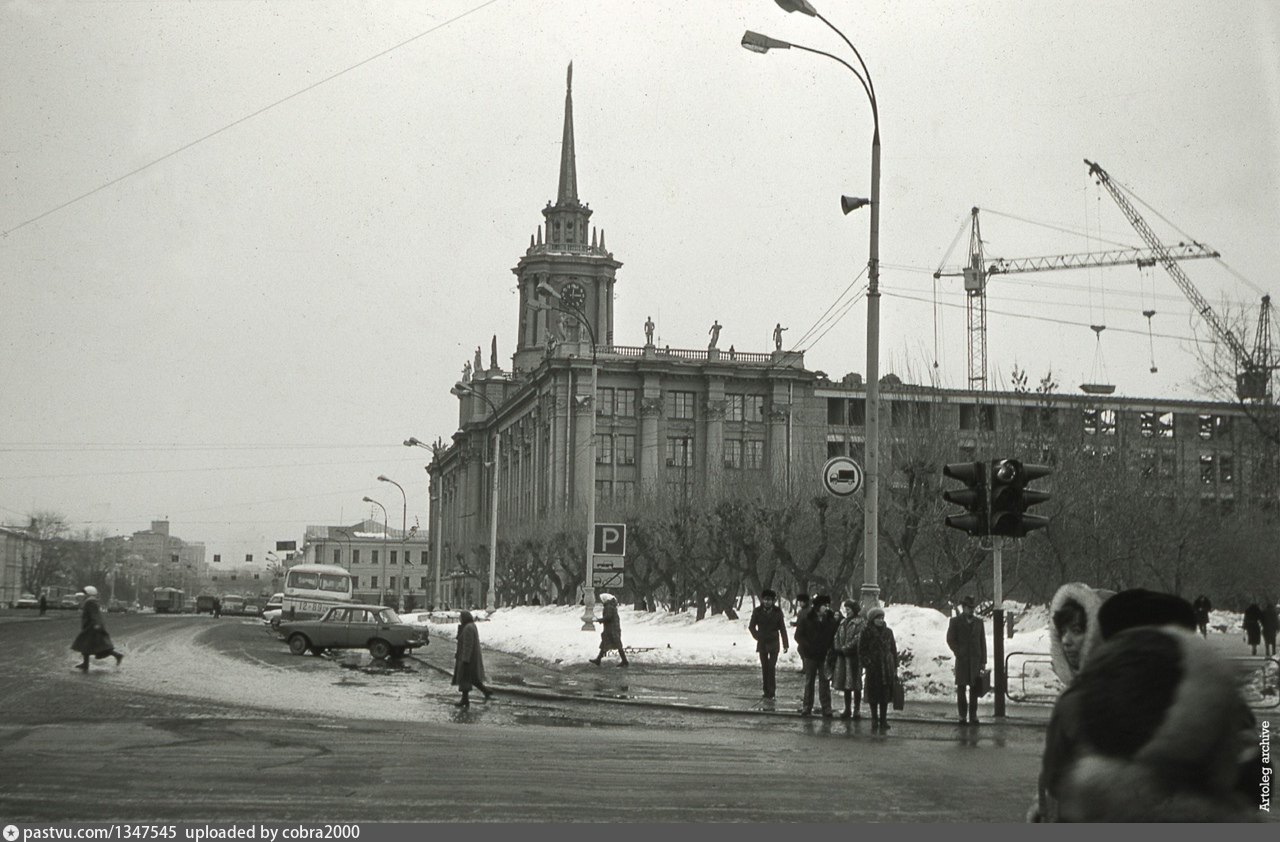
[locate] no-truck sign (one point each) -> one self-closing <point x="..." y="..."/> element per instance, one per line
<point x="842" y="476"/>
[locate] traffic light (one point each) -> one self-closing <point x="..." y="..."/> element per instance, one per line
<point x="973" y="497"/>
<point x="1010" y="497"/>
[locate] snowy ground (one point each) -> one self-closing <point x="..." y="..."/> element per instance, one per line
<point x="553" y="634"/>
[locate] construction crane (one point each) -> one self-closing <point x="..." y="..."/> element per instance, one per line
<point x="1253" y="369"/>
<point x="980" y="268"/>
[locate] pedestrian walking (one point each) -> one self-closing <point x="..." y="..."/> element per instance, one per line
<point x="967" y="639"/>
<point x="847" y="675"/>
<point x="769" y="628"/>
<point x="217" y="608"/>
<point x="1270" y="623"/>
<point x="878" y="654"/>
<point x="1202" y="607"/>
<point x="611" y="631"/>
<point x="468" y="661"/>
<point x="93" y="639"/>
<point x="815" y="632"/>
<point x="44" y="604"/>
<point x="1253" y="626"/>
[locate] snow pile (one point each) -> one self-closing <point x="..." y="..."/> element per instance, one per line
<point x="553" y="634"/>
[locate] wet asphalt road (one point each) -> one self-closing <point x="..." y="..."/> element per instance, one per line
<point x="142" y="744"/>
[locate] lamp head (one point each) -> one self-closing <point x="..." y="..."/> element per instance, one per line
<point x="382" y="478"/>
<point x="848" y="204"/>
<point x="757" y="43"/>
<point x="797" y="6"/>
<point x="460" y="388"/>
<point x="368" y="499"/>
<point x="547" y="289"/>
<point x="411" y="442"/>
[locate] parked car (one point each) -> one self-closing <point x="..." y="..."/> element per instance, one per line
<point x="27" y="600"/>
<point x="249" y="609"/>
<point x="276" y="602"/>
<point x="72" y="600"/>
<point x="372" y="627"/>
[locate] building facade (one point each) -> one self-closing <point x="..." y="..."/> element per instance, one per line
<point x="389" y="567"/>
<point x="680" y="422"/>
<point x="19" y="549"/>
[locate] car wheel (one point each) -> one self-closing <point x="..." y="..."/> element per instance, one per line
<point x="298" y="643"/>
<point x="379" y="649"/>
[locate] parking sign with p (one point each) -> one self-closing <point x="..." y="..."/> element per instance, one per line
<point x="611" y="539"/>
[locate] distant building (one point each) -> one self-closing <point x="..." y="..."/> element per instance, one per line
<point x="19" y="549"/>
<point x="683" y="422"/>
<point x="391" y="565"/>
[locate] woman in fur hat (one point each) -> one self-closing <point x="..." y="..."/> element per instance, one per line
<point x="93" y="638"/>
<point x="878" y="653"/>
<point x="468" y="661"/>
<point x="611" y="631"/>
<point x="847" y="675"/>
<point x="1161" y="732"/>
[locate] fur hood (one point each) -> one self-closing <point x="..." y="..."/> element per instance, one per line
<point x="1090" y="600"/>
<point x="1185" y="770"/>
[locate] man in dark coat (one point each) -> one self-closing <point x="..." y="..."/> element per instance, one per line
<point x="468" y="661"/>
<point x="44" y="604"/>
<point x="1270" y="624"/>
<point x="815" y="632"/>
<point x="93" y="639"/>
<point x="769" y="628"/>
<point x="611" y="631"/>
<point x="1253" y="626"/>
<point x="802" y="608"/>
<point x="967" y="640"/>
<point x="1202" y="607"/>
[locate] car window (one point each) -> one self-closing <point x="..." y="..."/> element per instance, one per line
<point x="386" y="615"/>
<point x="337" y="615"/>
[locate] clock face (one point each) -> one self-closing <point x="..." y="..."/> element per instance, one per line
<point x="574" y="296"/>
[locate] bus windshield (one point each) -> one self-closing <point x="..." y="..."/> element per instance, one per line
<point x="309" y="590"/>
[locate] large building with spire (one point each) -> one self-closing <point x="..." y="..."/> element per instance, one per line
<point x="676" y="423"/>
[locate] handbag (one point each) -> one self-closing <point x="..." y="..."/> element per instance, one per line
<point x="899" y="700"/>
<point x="982" y="686"/>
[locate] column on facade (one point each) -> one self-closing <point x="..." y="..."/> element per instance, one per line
<point x="602" y="303"/>
<point x="777" y="415"/>
<point x="583" y="408"/>
<point x="650" y="446"/>
<point x="713" y="435"/>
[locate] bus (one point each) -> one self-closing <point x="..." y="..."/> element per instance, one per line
<point x="168" y="600"/>
<point x="232" y="604"/>
<point x="310" y="589"/>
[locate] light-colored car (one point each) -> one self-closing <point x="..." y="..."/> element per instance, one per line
<point x="373" y="627"/>
<point x="27" y="600"/>
<point x="276" y="602"/>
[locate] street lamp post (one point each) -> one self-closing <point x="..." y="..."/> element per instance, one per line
<point x="588" y="589"/>
<point x="871" y="516"/>
<point x="382" y="582"/>
<point x="491" y="595"/>
<point x="435" y="528"/>
<point x="404" y="531"/>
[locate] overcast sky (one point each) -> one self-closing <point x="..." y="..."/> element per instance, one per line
<point x="249" y="244"/>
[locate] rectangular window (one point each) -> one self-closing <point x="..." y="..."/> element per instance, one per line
<point x="624" y="491"/>
<point x="625" y="403"/>
<point x="1206" y="427"/>
<point x="337" y="556"/>
<point x="604" y="449"/>
<point x="422" y="583"/>
<point x="1206" y="469"/>
<point x="837" y="448"/>
<point x="373" y="580"/>
<point x="355" y="556"/>
<point x="837" y="412"/>
<point x="899" y="413"/>
<point x="602" y="491"/>
<point x="1147" y="424"/>
<point x="976" y="417"/>
<point x="735" y="407"/>
<point x="604" y="400"/>
<point x="423" y="558"/>
<point x="1107" y="422"/>
<point x="679" y="451"/>
<point x="355" y="582"/>
<point x="1090" y="419"/>
<point x="733" y="453"/>
<point x="625" y="449"/>
<point x="754" y="409"/>
<point x="393" y="556"/>
<point x="1226" y="472"/>
<point x="1147" y="464"/>
<point x="374" y="555"/>
<point x="682" y="404"/>
<point x="1168" y="465"/>
<point x="753" y="455"/>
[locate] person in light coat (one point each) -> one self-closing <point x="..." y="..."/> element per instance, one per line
<point x="967" y="640"/>
<point x="93" y="639"/>
<point x="847" y="676"/>
<point x="468" y="661"/>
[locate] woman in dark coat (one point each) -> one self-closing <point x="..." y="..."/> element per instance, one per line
<point x="468" y="663"/>
<point x="1253" y="626"/>
<point x="93" y="638"/>
<point x="878" y="654"/>
<point x="611" y="633"/>
<point x="847" y="676"/>
<point x="1270" y="625"/>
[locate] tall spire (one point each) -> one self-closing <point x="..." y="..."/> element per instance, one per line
<point x="568" y="193"/>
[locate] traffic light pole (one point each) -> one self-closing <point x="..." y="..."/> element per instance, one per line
<point x="997" y="624"/>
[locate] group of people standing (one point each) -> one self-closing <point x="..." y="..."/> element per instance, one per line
<point x="836" y="651"/>
<point x="1261" y="623"/>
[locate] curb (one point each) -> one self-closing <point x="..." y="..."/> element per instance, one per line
<point x="551" y="695"/>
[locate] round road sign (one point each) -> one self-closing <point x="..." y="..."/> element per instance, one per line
<point x="842" y="476"/>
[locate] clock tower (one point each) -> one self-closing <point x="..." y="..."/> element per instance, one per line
<point x="565" y="267"/>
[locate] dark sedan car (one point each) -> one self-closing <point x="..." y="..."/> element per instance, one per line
<point x="372" y="627"/>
